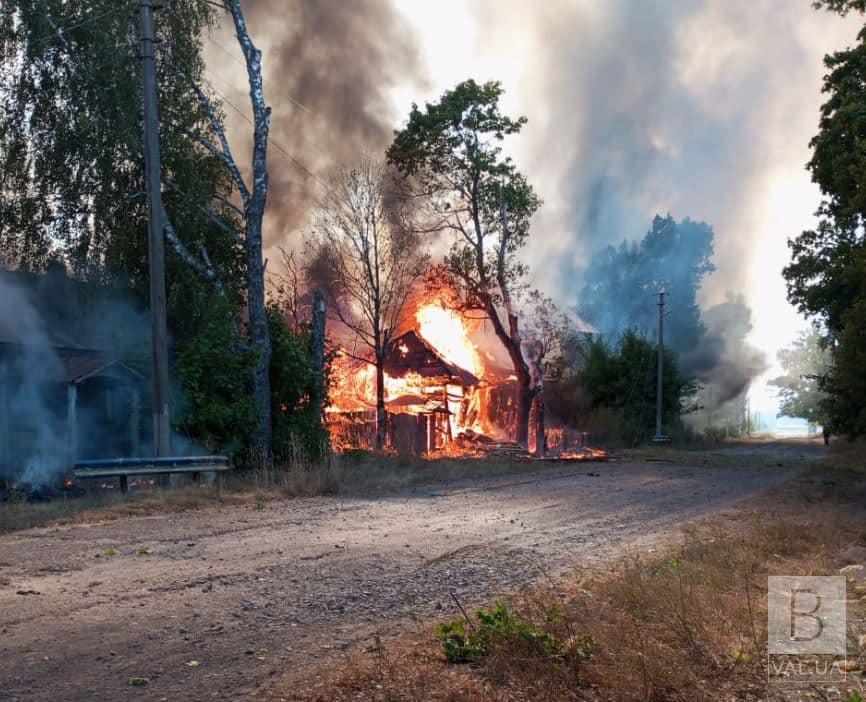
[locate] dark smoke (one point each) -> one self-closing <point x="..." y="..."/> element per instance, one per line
<point x="329" y="66"/>
<point x="730" y="363"/>
<point x="620" y="292"/>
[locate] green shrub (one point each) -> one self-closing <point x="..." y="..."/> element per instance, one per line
<point x="497" y="627"/>
<point x="217" y="408"/>
<point x="298" y="430"/>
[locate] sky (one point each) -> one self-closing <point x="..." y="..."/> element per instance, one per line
<point x="698" y="108"/>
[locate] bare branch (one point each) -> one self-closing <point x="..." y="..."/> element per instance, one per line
<point x="206" y="211"/>
<point x="205" y="269"/>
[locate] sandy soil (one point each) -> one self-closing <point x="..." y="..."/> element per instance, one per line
<point x="223" y="600"/>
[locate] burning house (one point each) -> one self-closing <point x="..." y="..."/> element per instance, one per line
<point x="448" y="391"/>
<point x="442" y="394"/>
<point x="428" y="395"/>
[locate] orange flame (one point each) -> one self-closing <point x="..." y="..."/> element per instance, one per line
<point x="445" y="330"/>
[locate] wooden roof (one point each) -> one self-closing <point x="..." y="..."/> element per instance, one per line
<point x="410" y="353"/>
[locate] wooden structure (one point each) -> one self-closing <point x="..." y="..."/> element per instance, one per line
<point x="86" y="402"/>
<point x="421" y="418"/>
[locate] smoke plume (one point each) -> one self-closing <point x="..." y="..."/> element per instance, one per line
<point x="329" y="67"/>
<point x="24" y="396"/>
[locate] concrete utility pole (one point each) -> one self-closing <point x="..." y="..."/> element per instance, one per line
<point x="659" y="437"/>
<point x="156" y="249"/>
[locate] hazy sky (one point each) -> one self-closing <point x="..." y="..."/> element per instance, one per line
<point x="700" y="108"/>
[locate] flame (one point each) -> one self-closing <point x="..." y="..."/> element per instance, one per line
<point x="445" y="330"/>
<point x="458" y="419"/>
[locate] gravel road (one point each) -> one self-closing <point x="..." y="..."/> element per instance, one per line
<point x="225" y="599"/>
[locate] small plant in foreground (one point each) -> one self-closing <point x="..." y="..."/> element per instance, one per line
<point x="497" y="627"/>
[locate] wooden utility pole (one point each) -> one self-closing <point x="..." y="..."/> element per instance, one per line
<point x="156" y="249"/>
<point x="317" y="351"/>
<point x="659" y="437"/>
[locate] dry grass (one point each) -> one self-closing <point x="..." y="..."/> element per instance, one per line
<point x="686" y="625"/>
<point x="349" y="475"/>
<point x="112" y="505"/>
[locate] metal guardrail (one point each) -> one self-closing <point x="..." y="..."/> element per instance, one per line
<point x="148" y="465"/>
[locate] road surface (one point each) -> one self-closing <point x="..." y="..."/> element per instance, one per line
<point x="210" y="604"/>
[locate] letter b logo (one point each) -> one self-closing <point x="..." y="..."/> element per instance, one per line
<point x="806" y="615"/>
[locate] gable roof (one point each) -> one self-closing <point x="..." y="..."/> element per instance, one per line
<point x="410" y="353"/>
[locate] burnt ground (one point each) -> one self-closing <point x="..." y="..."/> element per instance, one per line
<point x="212" y="604"/>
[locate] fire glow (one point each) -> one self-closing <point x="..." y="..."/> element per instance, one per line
<point x="444" y="393"/>
<point x="445" y="330"/>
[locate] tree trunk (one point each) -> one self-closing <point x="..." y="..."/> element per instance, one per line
<point x="254" y="211"/>
<point x="525" y="393"/>
<point x="540" y="438"/>
<point x="260" y="337"/>
<point x="317" y="350"/>
<point x="380" y="405"/>
<point x="524" y="405"/>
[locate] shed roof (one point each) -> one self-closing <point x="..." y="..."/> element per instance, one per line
<point x="76" y="368"/>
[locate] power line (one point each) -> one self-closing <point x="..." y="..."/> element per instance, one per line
<point x="271" y="140"/>
<point x="60" y="31"/>
<point x="234" y="58"/>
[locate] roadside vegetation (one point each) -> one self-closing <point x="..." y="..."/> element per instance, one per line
<point x="354" y="473"/>
<point x="666" y="625"/>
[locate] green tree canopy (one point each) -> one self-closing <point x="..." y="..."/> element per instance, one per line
<point x="622" y="378"/>
<point x="71" y="172"/>
<point x="620" y="284"/>
<point x="806" y="364"/>
<point x="827" y="274"/>
<point x="452" y="150"/>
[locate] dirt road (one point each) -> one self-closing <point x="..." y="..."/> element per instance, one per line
<point x="210" y="604"/>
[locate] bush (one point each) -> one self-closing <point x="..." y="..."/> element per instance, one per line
<point x="497" y="628"/>
<point x="298" y="430"/>
<point x="217" y="408"/>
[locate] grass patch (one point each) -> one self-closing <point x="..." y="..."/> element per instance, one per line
<point x="105" y="506"/>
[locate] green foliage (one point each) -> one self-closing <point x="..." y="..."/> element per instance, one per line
<point x="624" y="379"/>
<point x="452" y="150"/>
<point x="298" y="432"/>
<point x="843" y="7"/>
<point x="214" y="369"/>
<point x="827" y="274"/>
<point x="497" y="627"/>
<point x="219" y="410"/>
<point x="70" y="148"/>
<point x="845" y="383"/>
<point x="806" y="363"/>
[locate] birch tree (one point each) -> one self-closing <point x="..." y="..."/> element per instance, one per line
<point x="252" y="193"/>
<point x="366" y="259"/>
